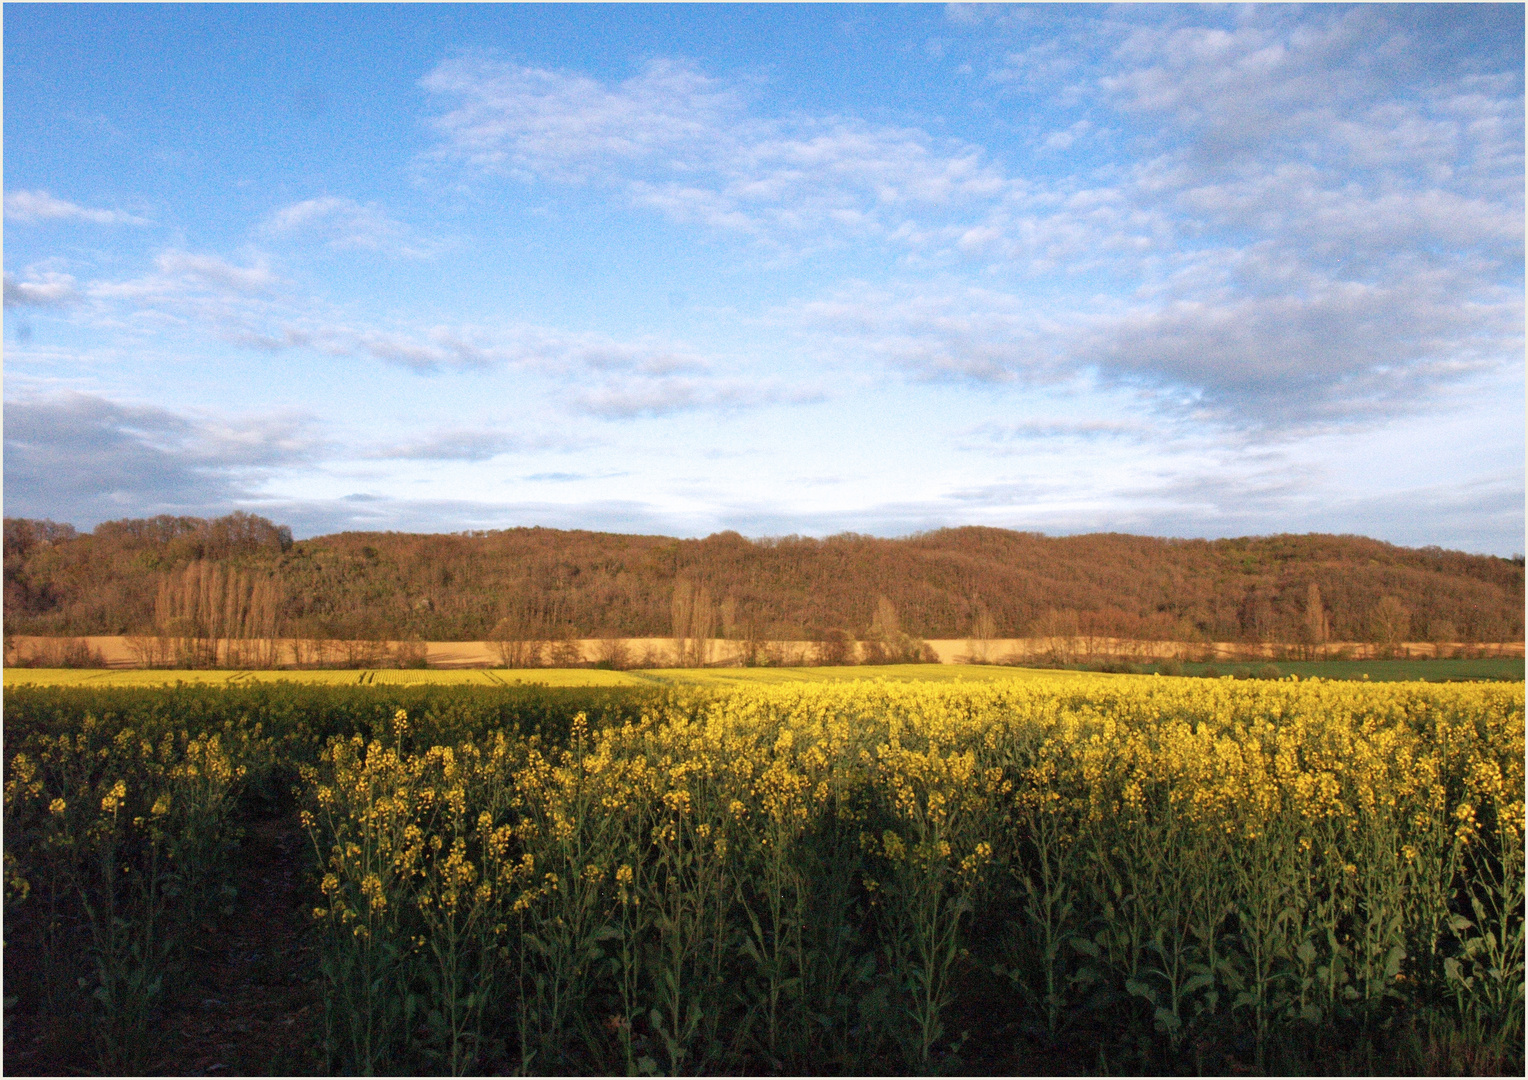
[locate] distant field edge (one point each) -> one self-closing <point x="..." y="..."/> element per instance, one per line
<point x="122" y="652"/>
<point x="506" y="677"/>
<point x="1495" y="669"/>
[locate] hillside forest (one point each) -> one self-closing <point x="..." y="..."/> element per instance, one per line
<point x="249" y="577"/>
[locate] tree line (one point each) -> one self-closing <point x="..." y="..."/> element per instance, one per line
<point x="242" y="577"/>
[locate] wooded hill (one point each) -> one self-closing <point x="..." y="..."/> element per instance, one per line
<point x="134" y="577"/>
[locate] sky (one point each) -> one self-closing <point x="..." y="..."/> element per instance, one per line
<point x="1177" y="270"/>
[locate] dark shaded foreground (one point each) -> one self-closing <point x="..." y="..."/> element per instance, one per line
<point x="246" y="1002"/>
<point x="249" y="1007"/>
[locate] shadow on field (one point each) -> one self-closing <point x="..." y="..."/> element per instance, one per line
<point x="243" y="1005"/>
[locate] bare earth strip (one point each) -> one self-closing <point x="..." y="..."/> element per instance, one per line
<point x="120" y="652"/>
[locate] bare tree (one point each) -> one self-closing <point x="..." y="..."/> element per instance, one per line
<point x="359" y="653"/>
<point x="729" y="613"/>
<point x="73" y="652"/>
<point x="703" y="627"/>
<point x="1441" y="633"/>
<point x="316" y="648"/>
<point x="206" y="615"/>
<point x="612" y="652"/>
<point x="1318" y="627"/>
<point x="983" y="630"/>
<point x="682" y="610"/>
<point x="741" y="625"/>
<point x="1389" y="623"/>
<point x="694" y="624"/>
<point x="655" y="656"/>
<point x="412" y="653"/>
<point x="887" y="643"/>
<point x="517" y="638"/>
<point x="149" y="650"/>
<point x="836" y="648"/>
<point x="566" y="651"/>
<point x="523" y="637"/>
<point x="1059" y="630"/>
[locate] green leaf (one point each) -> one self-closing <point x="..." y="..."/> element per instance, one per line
<point x="1198" y="982"/>
<point x="1141" y="990"/>
<point x="1087" y="947"/>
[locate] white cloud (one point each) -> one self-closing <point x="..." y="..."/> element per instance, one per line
<point x="1339" y="86"/>
<point x="1311" y="239"/>
<point x="186" y="277"/>
<point x="340" y="222"/>
<point x="210" y="270"/>
<point x="43" y="290"/>
<point x="32" y="207"/>
<point x="1063" y="140"/>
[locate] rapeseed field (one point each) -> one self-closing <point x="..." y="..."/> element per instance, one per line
<point x="866" y="876"/>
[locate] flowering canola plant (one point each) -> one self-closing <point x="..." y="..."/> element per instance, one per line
<point x="799" y="874"/>
<point x="802" y="877"/>
<point x="117" y="841"/>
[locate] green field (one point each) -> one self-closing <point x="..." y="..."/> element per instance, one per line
<point x="1507" y="669"/>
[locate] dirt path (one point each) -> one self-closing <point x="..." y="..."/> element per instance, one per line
<point x="251" y="1011"/>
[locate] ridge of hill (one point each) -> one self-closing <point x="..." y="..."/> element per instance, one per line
<point x="129" y="576"/>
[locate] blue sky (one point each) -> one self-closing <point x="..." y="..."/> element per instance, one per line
<point x="1187" y="271"/>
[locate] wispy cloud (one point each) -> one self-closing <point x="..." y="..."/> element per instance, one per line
<point x="679" y="141"/>
<point x="1005" y="437"/>
<point x="590" y="373"/>
<point x="1322" y="240"/>
<point x="470" y="444"/>
<point x="630" y="397"/>
<point x="212" y="270"/>
<point x="1329" y="352"/>
<point x="179" y="275"/>
<point x="344" y="224"/>
<point x="33" y="207"/>
<point x="535" y="122"/>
